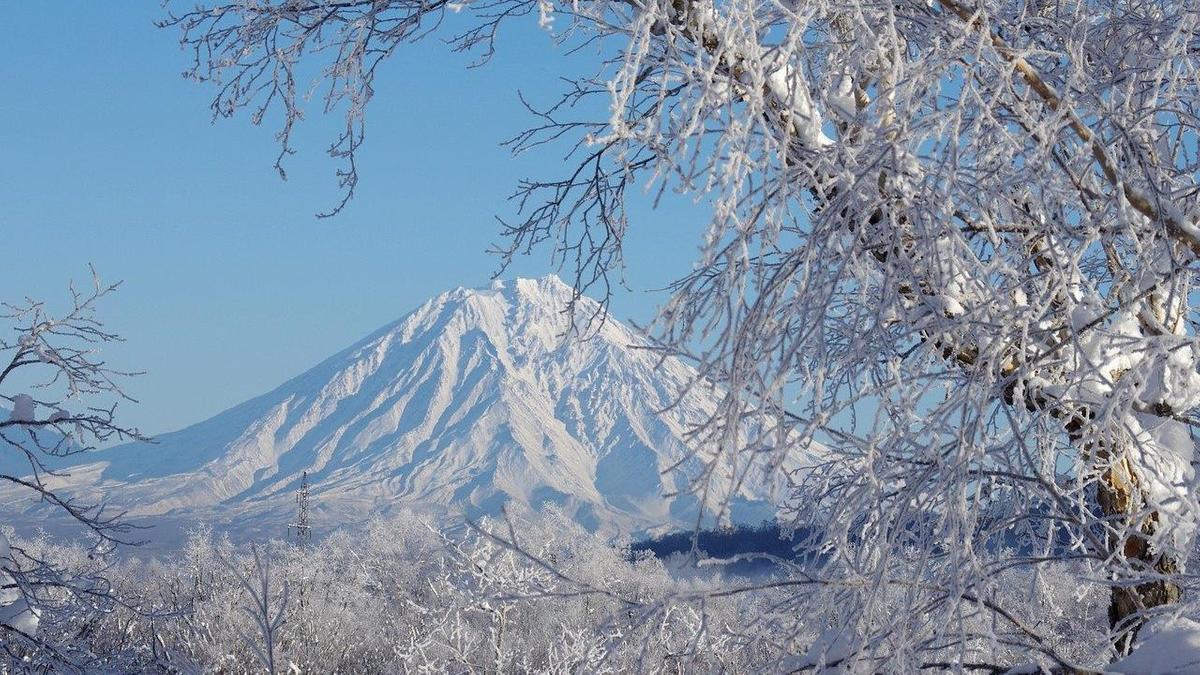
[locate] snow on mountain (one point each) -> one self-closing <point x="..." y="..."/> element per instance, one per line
<point x="472" y="400"/>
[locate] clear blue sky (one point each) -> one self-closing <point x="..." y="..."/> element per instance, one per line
<point x="231" y="284"/>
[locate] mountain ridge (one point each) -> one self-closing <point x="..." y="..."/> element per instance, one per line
<point x="472" y="400"/>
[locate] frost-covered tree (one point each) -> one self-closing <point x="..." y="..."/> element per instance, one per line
<point x="61" y="401"/>
<point x="401" y="596"/>
<point x="953" y="240"/>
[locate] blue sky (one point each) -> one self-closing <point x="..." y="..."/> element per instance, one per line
<point x="231" y="284"/>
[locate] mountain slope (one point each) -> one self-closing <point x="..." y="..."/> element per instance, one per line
<point x="470" y="401"/>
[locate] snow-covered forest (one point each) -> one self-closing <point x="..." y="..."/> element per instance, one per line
<point x="533" y="593"/>
<point x="942" y="301"/>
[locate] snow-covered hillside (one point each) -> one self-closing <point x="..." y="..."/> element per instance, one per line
<point x="472" y="400"/>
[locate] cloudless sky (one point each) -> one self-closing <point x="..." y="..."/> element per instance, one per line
<point x="231" y="284"/>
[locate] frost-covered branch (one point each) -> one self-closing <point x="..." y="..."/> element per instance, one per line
<point x="62" y="401"/>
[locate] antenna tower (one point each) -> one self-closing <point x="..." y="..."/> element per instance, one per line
<point x="300" y="529"/>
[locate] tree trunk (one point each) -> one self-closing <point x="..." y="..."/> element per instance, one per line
<point x="1121" y="501"/>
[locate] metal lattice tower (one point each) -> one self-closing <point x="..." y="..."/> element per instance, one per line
<point x="300" y="529"/>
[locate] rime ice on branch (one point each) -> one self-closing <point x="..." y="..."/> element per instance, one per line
<point x="65" y="405"/>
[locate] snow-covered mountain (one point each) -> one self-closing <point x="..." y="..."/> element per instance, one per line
<point x="471" y="400"/>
